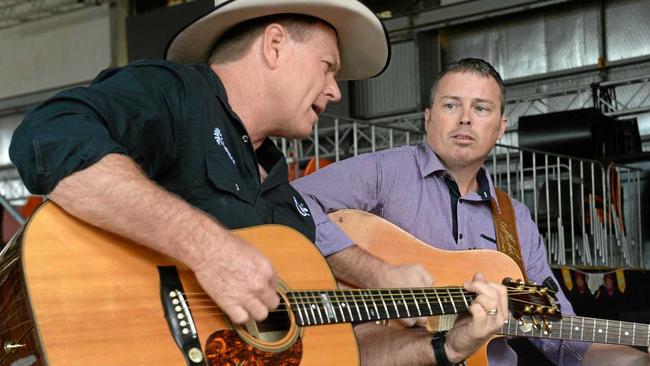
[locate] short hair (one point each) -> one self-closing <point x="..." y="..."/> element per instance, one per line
<point x="234" y="44"/>
<point x="474" y="65"/>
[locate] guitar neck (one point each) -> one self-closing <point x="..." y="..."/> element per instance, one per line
<point x="579" y="328"/>
<point x="362" y="305"/>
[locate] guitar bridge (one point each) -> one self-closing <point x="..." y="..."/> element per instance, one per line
<point x="179" y="317"/>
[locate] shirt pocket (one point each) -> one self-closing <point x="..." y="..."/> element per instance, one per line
<point x="225" y="177"/>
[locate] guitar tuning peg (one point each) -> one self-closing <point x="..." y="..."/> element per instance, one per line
<point x="528" y="309"/>
<point x="531" y="283"/>
<point x="547" y="326"/>
<point x="536" y="323"/>
<point x="539" y="309"/>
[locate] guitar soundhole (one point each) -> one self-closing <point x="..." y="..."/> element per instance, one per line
<point x="274" y="341"/>
<point x="274" y="328"/>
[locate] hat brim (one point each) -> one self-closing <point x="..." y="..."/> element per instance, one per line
<point x="364" y="45"/>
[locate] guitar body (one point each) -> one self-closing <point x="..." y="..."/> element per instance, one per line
<point x="394" y="245"/>
<point x="95" y="299"/>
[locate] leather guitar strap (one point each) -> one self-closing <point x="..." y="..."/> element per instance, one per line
<point x="506" y="229"/>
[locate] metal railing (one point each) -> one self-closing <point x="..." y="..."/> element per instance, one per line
<point x="589" y="214"/>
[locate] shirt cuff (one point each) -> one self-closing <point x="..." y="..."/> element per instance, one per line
<point x="330" y="238"/>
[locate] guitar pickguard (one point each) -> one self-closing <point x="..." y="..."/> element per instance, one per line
<point x="226" y="348"/>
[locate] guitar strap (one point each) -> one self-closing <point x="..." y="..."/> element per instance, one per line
<point x="505" y="228"/>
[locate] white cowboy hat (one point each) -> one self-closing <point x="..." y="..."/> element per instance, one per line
<point x="364" y="45"/>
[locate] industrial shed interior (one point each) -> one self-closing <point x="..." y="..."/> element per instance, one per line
<point x="576" y="150"/>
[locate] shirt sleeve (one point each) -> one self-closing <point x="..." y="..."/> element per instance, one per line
<point x="351" y="183"/>
<point x="537" y="269"/>
<point x="133" y="110"/>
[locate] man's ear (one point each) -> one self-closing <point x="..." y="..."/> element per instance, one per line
<point x="427" y="115"/>
<point x="502" y="127"/>
<point x="274" y="40"/>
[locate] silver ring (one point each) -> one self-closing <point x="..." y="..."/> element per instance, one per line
<point x="492" y="312"/>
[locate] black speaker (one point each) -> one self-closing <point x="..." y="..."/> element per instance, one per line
<point x="583" y="133"/>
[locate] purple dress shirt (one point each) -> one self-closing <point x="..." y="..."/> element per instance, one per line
<point x="406" y="186"/>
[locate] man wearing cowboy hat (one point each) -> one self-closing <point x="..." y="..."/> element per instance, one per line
<point x="172" y="154"/>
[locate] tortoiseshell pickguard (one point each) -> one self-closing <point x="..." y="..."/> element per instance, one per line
<point x="225" y="348"/>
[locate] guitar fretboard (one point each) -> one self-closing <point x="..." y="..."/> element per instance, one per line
<point x="346" y="306"/>
<point x="586" y="329"/>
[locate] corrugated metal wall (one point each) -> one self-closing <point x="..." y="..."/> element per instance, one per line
<point x="627" y="29"/>
<point x="54" y="52"/>
<point x="396" y="90"/>
<point x="546" y="41"/>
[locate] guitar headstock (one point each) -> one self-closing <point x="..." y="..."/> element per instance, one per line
<point x="529" y="302"/>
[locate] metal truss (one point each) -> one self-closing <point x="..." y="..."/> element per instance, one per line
<point x="15" y="12"/>
<point x="619" y="98"/>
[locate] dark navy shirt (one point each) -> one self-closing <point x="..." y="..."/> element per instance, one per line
<point x="175" y="122"/>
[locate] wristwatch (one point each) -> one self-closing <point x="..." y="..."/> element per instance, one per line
<point x="438" y="344"/>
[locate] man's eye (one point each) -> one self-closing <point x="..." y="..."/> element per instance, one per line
<point x="450" y="105"/>
<point x="482" y="108"/>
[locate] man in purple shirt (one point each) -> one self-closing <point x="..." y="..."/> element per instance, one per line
<point x="440" y="192"/>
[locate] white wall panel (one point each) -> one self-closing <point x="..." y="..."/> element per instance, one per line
<point x="56" y="51"/>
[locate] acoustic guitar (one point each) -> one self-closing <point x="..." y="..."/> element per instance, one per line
<point x="73" y="294"/>
<point x="394" y="245"/>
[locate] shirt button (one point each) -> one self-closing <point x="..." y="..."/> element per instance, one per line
<point x="244" y="138"/>
<point x="237" y="186"/>
<point x="460" y="236"/>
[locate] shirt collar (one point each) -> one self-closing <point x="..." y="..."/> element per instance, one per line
<point x="429" y="163"/>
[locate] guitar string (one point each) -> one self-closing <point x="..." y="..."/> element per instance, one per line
<point x="361" y="293"/>
<point x="338" y="303"/>
<point x="589" y="333"/>
<point x="377" y="296"/>
<point x="591" y="324"/>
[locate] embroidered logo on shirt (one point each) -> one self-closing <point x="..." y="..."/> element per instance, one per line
<point x="304" y="211"/>
<point x="218" y="137"/>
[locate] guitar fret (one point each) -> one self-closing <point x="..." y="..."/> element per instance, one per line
<point x="571" y="329"/>
<point x="293" y="296"/>
<point x="416" y="302"/>
<point x="453" y="303"/>
<point x="442" y="309"/>
<point x="426" y="298"/>
<point x="295" y="300"/>
<point x="582" y="330"/>
<point x="365" y="304"/>
<point x="394" y="304"/>
<point x="606" y="329"/>
<point x="308" y="309"/>
<point x="620" y="330"/>
<point x="312" y="306"/>
<point x="336" y="299"/>
<point x="374" y="303"/>
<point x="356" y="305"/>
<point x="384" y="303"/>
<point x="408" y="313"/>
<point x="633" y="331"/>
<point x="347" y="304"/>
<point x="464" y="299"/>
